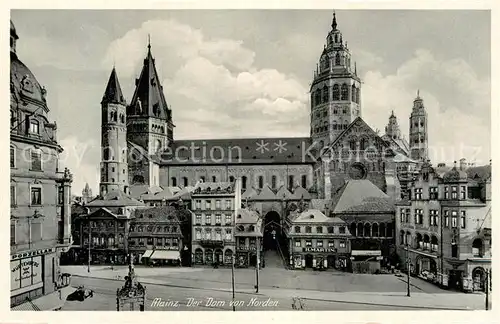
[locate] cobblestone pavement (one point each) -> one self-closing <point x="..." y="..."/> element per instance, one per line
<point x="318" y="290"/>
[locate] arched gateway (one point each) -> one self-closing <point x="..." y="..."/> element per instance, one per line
<point x="274" y="241"/>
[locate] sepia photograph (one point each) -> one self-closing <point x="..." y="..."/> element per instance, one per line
<point x="250" y="160"/>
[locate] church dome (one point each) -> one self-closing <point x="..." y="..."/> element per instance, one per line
<point x="455" y="175"/>
<point x="23" y="82"/>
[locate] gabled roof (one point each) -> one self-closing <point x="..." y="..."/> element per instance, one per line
<point x="315" y="216"/>
<point x="358" y="195"/>
<point x="482" y="172"/>
<point x="184" y="194"/>
<point x="400" y="143"/>
<point x="140" y="191"/>
<point x="113" y="92"/>
<point x="157" y="214"/>
<point x="266" y="193"/>
<point x="301" y="193"/>
<point x="114" y="198"/>
<point x="249" y="193"/>
<point x="283" y="193"/>
<point x="247" y="216"/>
<point x="356" y="124"/>
<point x="148" y="99"/>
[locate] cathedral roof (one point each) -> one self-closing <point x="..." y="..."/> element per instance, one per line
<point x="360" y="196"/>
<point x="239" y="151"/>
<point x="24" y="83"/>
<point x="113" y="92"/>
<point x="315" y="216"/>
<point x="114" y="198"/>
<point x="148" y="99"/>
<point x="266" y="193"/>
<point x="156" y="214"/>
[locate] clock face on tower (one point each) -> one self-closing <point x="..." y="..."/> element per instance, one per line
<point x="357" y="171"/>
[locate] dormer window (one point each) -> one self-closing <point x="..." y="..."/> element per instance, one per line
<point x="297" y="229"/>
<point x="34" y="127"/>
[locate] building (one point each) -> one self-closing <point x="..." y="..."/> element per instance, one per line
<point x="248" y="234"/>
<point x="444" y="229"/>
<point x="157" y="160"/>
<point x="40" y="194"/>
<point x="155" y="236"/>
<point x="318" y="241"/>
<point x="214" y="206"/>
<point x="369" y="215"/>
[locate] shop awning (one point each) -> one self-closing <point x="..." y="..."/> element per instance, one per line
<point x="147" y="254"/>
<point x="165" y="255"/>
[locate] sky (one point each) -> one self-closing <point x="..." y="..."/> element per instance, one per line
<point x="246" y="73"/>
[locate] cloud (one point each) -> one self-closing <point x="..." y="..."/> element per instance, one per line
<point x="456" y="100"/>
<point x="82" y="159"/>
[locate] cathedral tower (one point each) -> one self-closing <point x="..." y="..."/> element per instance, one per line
<point x="149" y="117"/>
<point x="335" y="90"/>
<point x="114" y="169"/>
<point x="392" y="129"/>
<point x="418" y="130"/>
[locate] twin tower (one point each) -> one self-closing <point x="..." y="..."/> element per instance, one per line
<point x="336" y="99"/>
<point x="145" y="122"/>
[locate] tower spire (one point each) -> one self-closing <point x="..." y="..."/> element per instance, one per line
<point x="418" y="93"/>
<point x="334" y="21"/>
<point x="149" y="41"/>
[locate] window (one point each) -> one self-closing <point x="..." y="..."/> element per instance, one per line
<point x="297" y="229"/>
<point x="34" y="127"/>
<point x="228" y="204"/>
<point x="36" y="196"/>
<point x="462" y="218"/>
<point x="36" y="160"/>
<point x="214" y="179"/>
<point x="298" y="243"/>
<point x="228" y="218"/>
<point x="463" y="192"/>
<point x="290" y="182"/>
<point x="198" y="204"/>
<point x="202" y="179"/>
<point x="60" y="195"/>
<point x="197" y="233"/>
<point x="13" y="195"/>
<point x="198" y="218"/>
<point x="244" y="182"/>
<point x="304" y="181"/>
<point x="407" y="215"/>
<point x="174" y="229"/>
<point x="330" y="229"/>
<point x="337" y="58"/>
<point x="308" y="229"/>
<point x="418" y="193"/>
<point x="273" y="182"/>
<point x="342" y="244"/>
<point x="184" y="181"/>
<point x="331" y="244"/>
<point x="454" y="219"/>
<point x="261" y="182"/>
<point x="342" y="229"/>
<point x="207" y="204"/>
<point x="12" y="157"/>
<point x="433" y="217"/>
<point x="319" y="229"/>
<point x="446" y="192"/>
<point x="218" y="219"/>
<point x="228" y="234"/>
<point x="454" y="193"/>
<point x="173" y="181"/>
<point x="419" y="216"/>
<point x="454" y="250"/>
<point x="319" y="243"/>
<point x="217" y="204"/>
<point x="433" y="193"/>
<point x="308" y="243"/>
<point x="446" y="218"/>
<point x="344" y="92"/>
<point x="208" y="234"/>
<point x="402" y="215"/>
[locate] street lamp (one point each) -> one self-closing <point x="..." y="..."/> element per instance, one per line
<point x="408" y="266"/>
<point x="232" y="279"/>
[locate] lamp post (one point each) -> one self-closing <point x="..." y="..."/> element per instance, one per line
<point x="232" y="279"/>
<point x="90" y="241"/>
<point x="257" y="266"/>
<point x="408" y="266"/>
<point x="486" y="289"/>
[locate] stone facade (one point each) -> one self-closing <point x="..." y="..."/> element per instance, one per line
<point x="40" y="191"/>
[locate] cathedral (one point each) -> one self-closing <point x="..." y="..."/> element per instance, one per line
<point x="139" y="149"/>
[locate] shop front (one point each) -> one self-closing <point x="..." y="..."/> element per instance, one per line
<point x="318" y="259"/>
<point x="246" y="256"/>
<point x="366" y="261"/>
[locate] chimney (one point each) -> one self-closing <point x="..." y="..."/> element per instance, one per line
<point x="463" y="164"/>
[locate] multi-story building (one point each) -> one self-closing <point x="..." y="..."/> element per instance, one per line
<point x="445" y="227"/>
<point x="155" y="236"/>
<point x="248" y="234"/>
<point x="369" y="216"/>
<point x="214" y="206"/>
<point x="40" y="194"/>
<point x="318" y="241"/>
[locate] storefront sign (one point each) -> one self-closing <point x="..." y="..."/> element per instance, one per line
<point x="322" y="250"/>
<point x="366" y="252"/>
<point x="25" y="272"/>
<point x="247" y="248"/>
